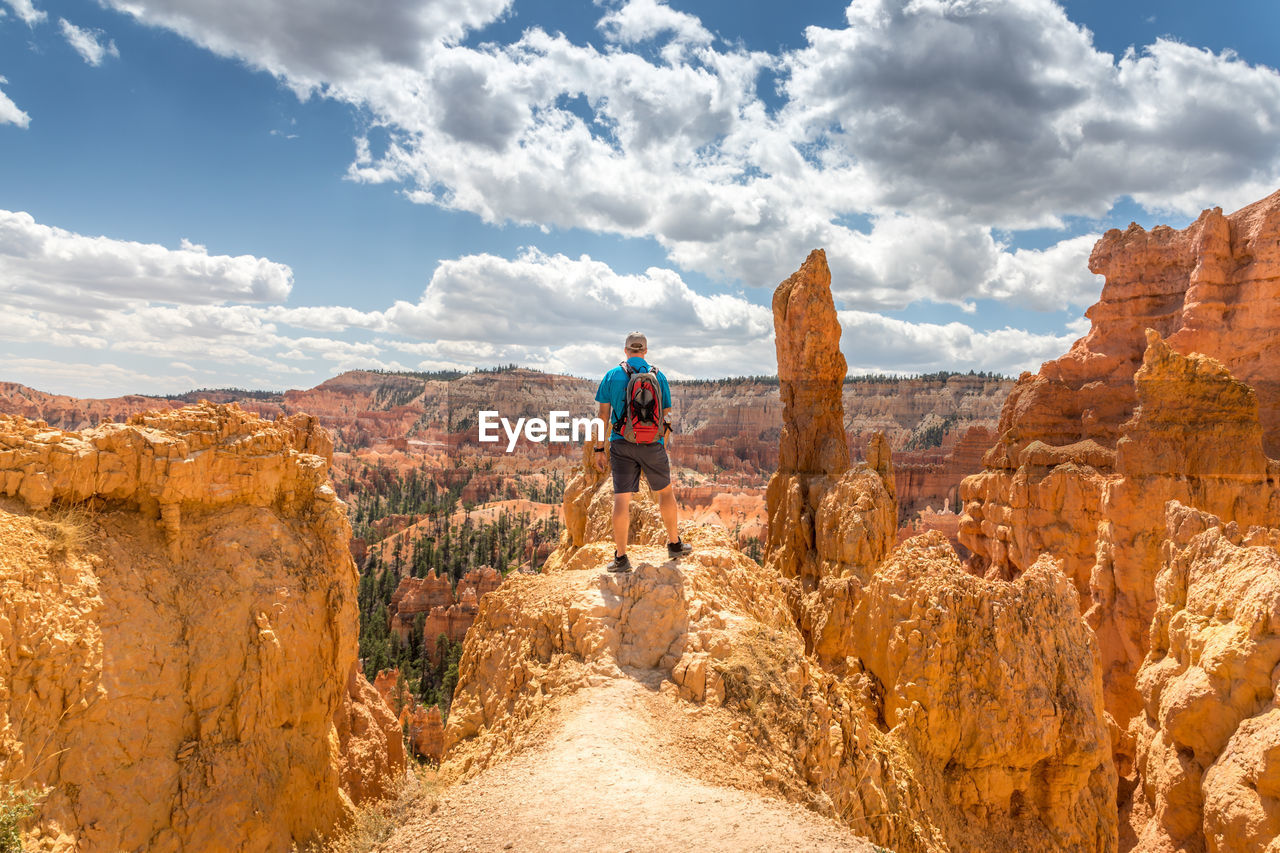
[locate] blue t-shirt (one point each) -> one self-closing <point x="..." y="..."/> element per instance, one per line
<point x="613" y="390"/>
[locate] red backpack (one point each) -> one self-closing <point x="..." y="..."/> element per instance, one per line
<point x="640" y="421"/>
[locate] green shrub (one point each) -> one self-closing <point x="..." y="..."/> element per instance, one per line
<point x="16" y="805"/>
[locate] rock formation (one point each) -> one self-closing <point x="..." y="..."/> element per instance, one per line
<point x="1172" y="399"/>
<point x="1209" y="743"/>
<point x="933" y="477"/>
<point x="370" y="749"/>
<point x="810" y="533"/>
<point x="1012" y="743"/>
<point x="993" y="687"/>
<point x="445" y="610"/>
<point x="726" y="426"/>
<point x="1195" y="438"/>
<point x="179" y="614"/>
<point x="1212" y="288"/>
<point x="424" y="727"/>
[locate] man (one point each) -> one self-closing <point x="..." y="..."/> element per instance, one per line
<point x="628" y="459"/>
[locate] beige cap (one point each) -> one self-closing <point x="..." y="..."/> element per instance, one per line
<point x="637" y="342"/>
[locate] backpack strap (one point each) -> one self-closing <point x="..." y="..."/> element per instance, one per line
<point x="622" y="416"/>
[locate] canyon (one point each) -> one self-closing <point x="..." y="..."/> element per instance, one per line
<point x="1097" y="668"/>
<point x="1165" y="409"/>
<point x="1098" y="673"/>
<point x="728" y="444"/>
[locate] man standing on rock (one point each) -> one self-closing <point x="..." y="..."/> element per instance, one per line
<point x="635" y="399"/>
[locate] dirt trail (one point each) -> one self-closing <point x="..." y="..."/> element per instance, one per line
<point x="602" y="780"/>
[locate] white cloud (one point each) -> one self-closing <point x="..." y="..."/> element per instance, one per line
<point x="938" y="122"/>
<point x="874" y="343"/>
<point x="9" y="112"/>
<point x="318" y="43"/>
<point x="86" y="43"/>
<point x="641" y="20"/>
<point x="26" y="12"/>
<point x="155" y="308"/>
<point x="1056" y="277"/>
<point x="539" y="300"/>
<point x="94" y="379"/>
<point x="1005" y="113"/>
<point x="48" y="268"/>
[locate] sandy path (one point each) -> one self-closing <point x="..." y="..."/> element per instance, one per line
<point x="600" y="783"/>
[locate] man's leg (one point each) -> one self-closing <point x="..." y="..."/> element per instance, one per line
<point x="622" y="521"/>
<point x="670" y="514"/>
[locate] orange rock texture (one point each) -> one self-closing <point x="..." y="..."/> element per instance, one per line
<point x="1012" y="745"/>
<point x="178" y="615"/>
<point x="1170" y="401"/>
<point x="371" y="752"/>
<point x="424" y="726"/>
<point x="811" y="533"/>
<point x="992" y="686"/>
<point x="445" y="610"/>
<point x="1212" y="288"/>
<point x="1196" y="439"/>
<point x="1209" y="742"/>
<point x="715" y="628"/>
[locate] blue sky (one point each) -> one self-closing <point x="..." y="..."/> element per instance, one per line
<point x="261" y="193"/>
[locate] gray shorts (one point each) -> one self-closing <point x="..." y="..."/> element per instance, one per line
<point x="627" y="460"/>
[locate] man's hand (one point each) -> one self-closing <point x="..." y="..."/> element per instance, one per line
<point x="598" y="459"/>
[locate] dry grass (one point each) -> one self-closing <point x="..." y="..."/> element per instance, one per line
<point x="375" y="823"/>
<point x="68" y="529"/>
<point x="755" y="675"/>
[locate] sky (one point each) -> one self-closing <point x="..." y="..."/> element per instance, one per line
<point x="265" y="193"/>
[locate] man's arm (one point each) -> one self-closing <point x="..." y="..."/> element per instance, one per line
<point x="603" y="414"/>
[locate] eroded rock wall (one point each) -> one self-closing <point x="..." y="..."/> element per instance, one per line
<point x="1195" y="438"/>
<point x="178" y="628"/>
<point x="993" y="686"/>
<point x="1212" y="288"/>
<point x="1209" y="740"/>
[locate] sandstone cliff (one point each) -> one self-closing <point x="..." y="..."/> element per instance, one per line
<point x="727" y="426"/>
<point x="992" y="688"/>
<point x="983" y="720"/>
<point x="179" y="635"/>
<point x="1209" y="740"/>
<point x="445" y="609"/>
<point x="1170" y="401"/>
<point x="1195" y="437"/>
<point x="1212" y="288"/>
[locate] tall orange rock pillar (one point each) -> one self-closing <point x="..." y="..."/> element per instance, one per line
<point x="825" y="517"/>
<point x="813" y="451"/>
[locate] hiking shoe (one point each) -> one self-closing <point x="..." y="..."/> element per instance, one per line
<point x="619" y="563"/>
<point x="678" y="548"/>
